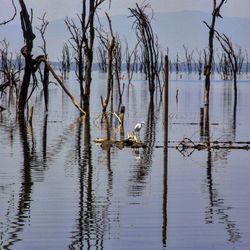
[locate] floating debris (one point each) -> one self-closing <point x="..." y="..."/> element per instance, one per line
<point x="130" y="141"/>
<point x="187" y="143"/>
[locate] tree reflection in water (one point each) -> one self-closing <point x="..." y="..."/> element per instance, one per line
<point x="34" y="166"/>
<point x="92" y="221"/>
<point x="216" y="204"/>
<point x="18" y="217"/>
<point x="144" y="158"/>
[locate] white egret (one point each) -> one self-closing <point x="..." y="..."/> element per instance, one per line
<point x="138" y="127"/>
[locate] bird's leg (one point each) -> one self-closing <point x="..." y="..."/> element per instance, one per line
<point x="137" y="137"/>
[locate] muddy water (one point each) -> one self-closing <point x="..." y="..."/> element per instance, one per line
<point x="59" y="190"/>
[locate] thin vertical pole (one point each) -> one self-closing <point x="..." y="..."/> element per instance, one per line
<point x="165" y="156"/>
<point x="165" y="116"/>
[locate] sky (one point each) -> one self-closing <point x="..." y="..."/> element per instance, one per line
<point x="57" y="9"/>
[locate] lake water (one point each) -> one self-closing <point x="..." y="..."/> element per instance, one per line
<point x="59" y="190"/>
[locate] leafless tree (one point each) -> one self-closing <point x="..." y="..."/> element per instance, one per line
<point x="45" y="75"/>
<point x="240" y="59"/>
<point x="118" y="69"/>
<point x="32" y="64"/>
<point x="109" y="43"/>
<point x="208" y="66"/>
<point x="200" y="62"/>
<point x="118" y="58"/>
<point x="227" y="47"/>
<point x="247" y="62"/>
<point x="130" y="59"/>
<point x="65" y="61"/>
<point x="26" y="51"/>
<point x="102" y="58"/>
<point x="145" y="36"/>
<point x="189" y="58"/>
<point x="82" y="41"/>
<point x="217" y="4"/>
<point x="77" y="43"/>
<point x="177" y="64"/>
<point x="205" y="58"/>
<point x="224" y="66"/>
<point x="10" y="72"/>
<point x="229" y="50"/>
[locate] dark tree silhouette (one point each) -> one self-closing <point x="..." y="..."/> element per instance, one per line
<point x="26" y="51"/>
<point x="227" y="47"/>
<point x="208" y="66"/>
<point x="45" y="76"/>
<point x="131" y="58"/>
<point x="109" y="42"/>
<point x="146" y="37"/>
<point x="65" y="61"/>
<point x="82" y="41"/>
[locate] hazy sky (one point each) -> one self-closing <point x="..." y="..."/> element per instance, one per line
<point x="57" y="9"/>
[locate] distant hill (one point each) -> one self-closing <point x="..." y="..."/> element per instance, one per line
<point x="176" y="29"/>
<point x="173" y="30"/>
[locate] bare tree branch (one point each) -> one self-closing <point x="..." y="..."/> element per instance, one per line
<point x="13" y="16"/>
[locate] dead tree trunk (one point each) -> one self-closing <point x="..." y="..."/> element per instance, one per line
<point x="199" y="63"/>
<point x="102" y="58"/>
<point x="109" y="44"/>
<point x="26" y="51"/>
<point x="208" y="66"/>
<point x="247" y="62"/>
<point x="66" y="61"/>
<point x="40" y="59"/>
<point x="8" y="71"/>
<point x="76" y="42"/>
<point x="89" y="37"/>
<point x="189" y="59"/>
<point x="130" y="58"/>
<point x="118" y="68"/>
<point x="83" y="43"/>
<point x="45" y="79"/>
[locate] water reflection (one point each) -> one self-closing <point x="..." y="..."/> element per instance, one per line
<point x="218" y="207"/>
<point x="103" y="183"/>
<point x="92" y="220"/>
<point x="235" y="113"/>
<point x="109" y="127"/>
<point x="144" y="156"/>
<point x="34" y="165"/>
<point x="230" y="119"/>
<point x="229" y="104"/>
<point x="216" y="204"/>
<point x="165" y="195"/>
<point x="44" y="139"/>
<point x="21" y="213"/>
<point x="82" y="229"/>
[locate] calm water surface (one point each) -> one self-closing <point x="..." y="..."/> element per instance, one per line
<point x="59" y="190"/>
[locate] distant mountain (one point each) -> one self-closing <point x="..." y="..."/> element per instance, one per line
<point x="173" y="30"/>
<point x="176" y="29"/>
